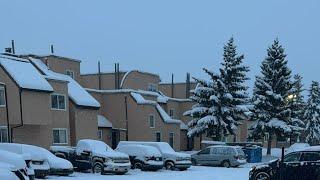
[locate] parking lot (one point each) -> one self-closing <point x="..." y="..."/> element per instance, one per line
<point x="195" y="172"/>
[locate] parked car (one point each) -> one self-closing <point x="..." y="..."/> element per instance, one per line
<point x="36" y="160"/>
<point x="9" y="172"/>
<point x="299" y="165"/>
<point x="172" y="160"/>
<point x="18" y="163"/>
<point x="95" y="155"/>
<point x="226" y="156"/>
<point x="142" y="157"/>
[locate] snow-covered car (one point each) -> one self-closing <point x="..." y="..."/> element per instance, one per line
<point x="95" y="155"/>
<point x="18" y="163"/>
<point x="172" y="160"/>
<point x="9" y="171"/>
<point x="226" y="156"/>
<point x="296" y="147"/>
<point x="37" y="160"/>
<point x="142" y="157"/>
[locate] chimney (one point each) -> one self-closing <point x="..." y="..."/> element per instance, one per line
<point x="172" y="86"/>
<point x="188" y="86"/>
<point x="51" y="49"/>
<point x="12" y="47"/>
<point x="99" y="75"/>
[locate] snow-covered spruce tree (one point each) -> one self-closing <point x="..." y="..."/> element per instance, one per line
<point x="233" y="74"/>
<point x="312" y="115"/>
<point x="297" y="105"/>
<point x="271" y="112"/>
<point x="211" y="115"/>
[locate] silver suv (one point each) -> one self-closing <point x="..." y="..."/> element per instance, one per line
<point x="226" y="156"/>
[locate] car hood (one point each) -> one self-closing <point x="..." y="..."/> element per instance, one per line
<point x="59" y="163"/>
<point x="7" y="166"/>
<point x="109" y="154"/>
<point x="178" y="154"/>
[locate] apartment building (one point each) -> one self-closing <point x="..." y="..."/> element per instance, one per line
<point x="42" y="107"/>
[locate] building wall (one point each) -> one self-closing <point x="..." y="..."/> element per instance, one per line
<point x="179" y="89"/>
<point x="106" y="135"/>
<point x="140" y="80"/>
<point x="107" y="80"/>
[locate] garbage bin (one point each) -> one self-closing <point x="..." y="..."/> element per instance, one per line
<point x="253" y="154"/>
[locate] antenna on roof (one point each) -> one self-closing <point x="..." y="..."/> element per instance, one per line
<point x="12" y="47"/>
<point x="51" y="49"/>
<point x="172" y="86"/>
<point x="99" y="75"/>
<point x="188" y="86"/>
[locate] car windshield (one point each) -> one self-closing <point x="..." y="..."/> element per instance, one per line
<point x="100" y="145"/>
<point x="240" y="152"/>
<point x="164" y="147"/>
<point x="292" y="157"/>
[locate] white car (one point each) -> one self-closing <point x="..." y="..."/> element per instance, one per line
<point x="9" y="172"/>
<point x="95" y="155"/>
<point x="18" y="164"/>
<point x="41" y="159"/>
<point x="172" y="160"/>
<point x="141" y="156"/>
<point x="36" y="159"/>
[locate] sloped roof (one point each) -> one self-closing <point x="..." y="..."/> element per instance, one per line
<point x="24" y="74"/>
<point x="104" y="122"/>
<point x="75" y="91"/>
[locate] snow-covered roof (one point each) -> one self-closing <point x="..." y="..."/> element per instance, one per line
<point x="213" y="142"/>
<point x="76" y="92"/>
<point x="50" y="55"/>
<point x="25" y="74"/>
<point x="104" y="122"/>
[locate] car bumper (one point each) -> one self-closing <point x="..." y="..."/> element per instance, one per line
<point x="61" y="172"/>
<point x="39" y="173"/>
<point x="152" y="167"/>
<point x="116" y="168"/>
<point x="183" y="164"/>
<point x="239" y="162"/>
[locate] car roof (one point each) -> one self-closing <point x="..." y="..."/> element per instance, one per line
<point x="224" y="146"/>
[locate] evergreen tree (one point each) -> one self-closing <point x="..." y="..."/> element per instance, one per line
<point x="271" y="112"/>
<point x="297" y="105"/>
<point x="312" y="115"/>
<point x="211" y="114"/>
<point x="233" y="74"/>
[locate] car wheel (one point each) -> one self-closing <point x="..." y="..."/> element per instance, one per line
<point x="169" y="165"/>
<point x="138" y="165"/>
<point x="262" y="176"/>
<point x="194" y="162"/>
<point x="225" y="164"/>
<point x="97" y="167"/>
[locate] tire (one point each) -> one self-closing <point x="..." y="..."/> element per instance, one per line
<point x="225" y="164"/>
<point x="97" y="168"/>
<point x="194" y="162"/>
<point x="262" y="176"/>
<point x="169" y="165"/>
<point x="137" y="165"/>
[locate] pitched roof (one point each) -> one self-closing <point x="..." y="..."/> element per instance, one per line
<point x="75" y="91"/>
<point x="24" y="74"/>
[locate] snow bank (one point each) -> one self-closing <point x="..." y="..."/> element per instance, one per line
<point x="104" y="122"/>
<point x="25" y="74"/>
<point x="76" y="92"/>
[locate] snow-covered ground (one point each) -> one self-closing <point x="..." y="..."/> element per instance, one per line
<point x="204" y="173"/>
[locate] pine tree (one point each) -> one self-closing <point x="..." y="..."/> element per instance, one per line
<point x="271" y="112"/>
<point x="312" y="115"/>
<point x="297" y="105"/>
<point x="211" y="114"/>
<point x="233" y="74"/>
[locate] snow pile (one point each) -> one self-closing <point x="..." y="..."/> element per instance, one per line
<point x="25" y="74"/>
<point x="76" y="92"/>
<point x="104" y="122"/>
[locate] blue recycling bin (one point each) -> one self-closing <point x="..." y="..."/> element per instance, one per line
<point x="253" y="154"/>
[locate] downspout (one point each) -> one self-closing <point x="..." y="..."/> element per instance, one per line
<point x="7" y="112"/>
<point x="21" y="114"/>
<point x="127" y="123"/>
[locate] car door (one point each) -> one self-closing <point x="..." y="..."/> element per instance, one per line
<point x="309" y="166"/>
<point x="203" y="156"/>
<point x="291" y="166"/>
<point x="218" y="155"/>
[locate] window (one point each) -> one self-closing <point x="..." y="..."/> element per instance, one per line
<point x="70" y="73"/>
<point x="294" y="157"/>
<point x="152" y="123"/>
<point x="171" y="139"/>
<point x="2" y="97"/>
<point x="100" y="134"/>
<point x="152" y="87"/>
<point x="60" y="136"/>
<point x="58" y="101"/>
<point x="205" y="151"/>
<point x="171" y="113"/>
<point x="3" y="134"/>
<point x="310" y="156"/>
<point x="158" y="136"/>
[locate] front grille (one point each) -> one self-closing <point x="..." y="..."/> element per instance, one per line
<point x="37" y="162"/>
<point x="120" y="160"/>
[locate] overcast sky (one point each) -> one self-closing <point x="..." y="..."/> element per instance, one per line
<point x="165" y="36"/>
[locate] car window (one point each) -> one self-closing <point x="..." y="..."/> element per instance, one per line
<point x="293" y="157"/>
<point x="222" y="150"/>
<point x="310" y="156"/>
<point x="205" y="151"/>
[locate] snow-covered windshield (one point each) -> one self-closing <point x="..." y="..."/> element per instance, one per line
<point x="165" y="147"/>
<point x="98" y="145"/>
<point x="240" y="152"/>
